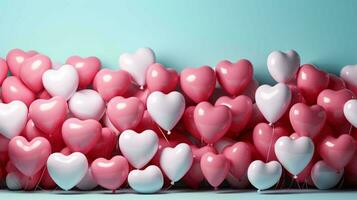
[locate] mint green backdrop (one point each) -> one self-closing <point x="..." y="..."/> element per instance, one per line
<point x="185" y="32"/>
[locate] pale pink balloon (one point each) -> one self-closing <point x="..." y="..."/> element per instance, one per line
<point x="212" y="122"/>
<point x="158" y="78"/>
<point x="125" y="113"/>
<point x="3" y="70"/>
<point x="110" y="174"/>
<point x="48" y="115"/>
<point x="15" y="58"/>
<point x="336" y="83"/>
<point x="29" y="157"/>
<point x="198" y="83"/>
<point x="86" y="68"/>
<point x="81" y="135"/>
<point x="215" y="168"/>
<point x="189" y="122"/>
<point x="105" y="146"/>
<point x="13" y="89"/>
<point x="240" y="157"/>
<point x="234" y="77"/>
<point x="110" y="83"/>
<point x="32" y="70"/>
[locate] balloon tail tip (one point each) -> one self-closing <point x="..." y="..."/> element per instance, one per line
<point x="172" y="183"/>
<point x="295" y="176"/>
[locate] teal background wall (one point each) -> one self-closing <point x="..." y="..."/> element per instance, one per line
<point x="184" y="32"/>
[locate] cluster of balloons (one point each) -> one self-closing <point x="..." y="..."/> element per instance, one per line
<point x="77" y="125"/>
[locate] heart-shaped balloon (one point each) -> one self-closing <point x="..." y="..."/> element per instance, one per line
<point x="3" y="70"/>
<point x="61" y="82"/>
<point x="148" y="180"/>
<point x="80" y="135"/>
<point x="294" y="155"/>
<point x="348" y="74"/>
<point x="67" y="170"/>
<point x="166" y="109"/>
<point x="125" y="113"/>
<point x="87" y="182"/>
<point x="324" y="176"/>
<point x="283" y="66"/>
<point x="234" y="77"/>
<point x="189" y="122"/>
<point x="86" y="68"/>
<point x="137" y="64"/>
<point x="337" y="152"/>
<point x="158" y="78"/>
<point x="15" y="58"/>
<point x="350" y="111"/>
<point x="110" y="174"/>
<point x="215" y="168"/>
<point x="239" y="156"/>
<point x="307" y="121"/>
<point x="105" y="146"/>
<point x="264" y="175"/>
<point x="335" y="82"/>
<point x="32" y="70"/>
<point x="175" y="162"/>
<point x="48" y="115"/>
<point x="17" y="181"/>
<point x="138" y="148"/>
<point x="311" y="81"/>
<point x="212" y="121"/>
<point x="350" y="171"/>
<point x="198" y="83"/>
<point x="87" y="104"/>
<point x="13" y="89"/>
<point x="273" y="101"/>
<point x="111" y="83"/>
<point x="13" y="118"/>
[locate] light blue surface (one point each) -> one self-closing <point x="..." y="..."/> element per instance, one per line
<point x="184" y="32"/>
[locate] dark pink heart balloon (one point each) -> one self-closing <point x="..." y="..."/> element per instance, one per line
<point x="81" y="135"/>
<point x="311" y="81"/>
<point x="212" y="121"/>
<point x="86" y="68"/>
<point x="240" y="157"/>
<point x="307" y="120"/>
<point x="105" y="146"/>
<point x="158" y="78"/>
<point x="125" y="113"/>
<point x="234" y="77"/>
<point x="215" y="168"/>
<point x="198" y="83"/>
<point x="29" y="157"/>
<point x="32" y="70"/>
<point x="110" y="174"/>
<point x="189" y="122"/>
<point x="3" y="70"/>
<point x="350" y="171"/>
<point x="48" y="115"/>
<point x="336" y="83"/>
<point x="15" y="58"/>
<point x="13" y="89"/>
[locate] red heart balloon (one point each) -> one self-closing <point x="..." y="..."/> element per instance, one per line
<point x="13" y="89"/>
<point x="3" y="70"/>
<point x="336" y="83"/>
<point x="350" y="170"/>
<point x="214" y="168"/>
<point x="105" y="146"/>
<point x="86" y="68"/>
<point x="15" y="58"/>
<point x="158" y="78"/>
<point x="240" y="157"/>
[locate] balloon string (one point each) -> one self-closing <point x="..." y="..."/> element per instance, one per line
<point x="349" y="132"/>
<point x="163" y="134"/>
<point x="38" y="182"/>
<point x="341" y="183"/>
<point x="271" y="142"/>
<point x="171" y="184"/>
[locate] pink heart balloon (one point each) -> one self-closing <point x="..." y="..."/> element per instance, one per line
<point x="48" y="115"/>
<point x="110" y="174"/>
<point x="105" y="146"/>
<point x="86" y="68"/>
<point x="29" y="157"/>
<point x="241" y="108"/>
<point x="189" y="122"/>
<point x="31" y="131"/>
<point x="234" y="77"/>
<point x="158" y="78"/>
<point x="147" y="123"/>
<point x="15" y="58"/>
<point x="311" y="81"/>
<point x="198" y="83"/>
<point x="240" y="157"/>
<point x="337" y="152"/>
<point x="212" y="121"/>
<point x="3" y="70"/>
<point x="351" y="171"/>
<point x="111" y="83"/>
<point x="307" y="121"/>
<point x="32" y="70"/>
<point x="336" y="83"/>
<point x="125" y="113"/>
<point x="13" y="89"/>
<point x="81" y="135"/>
<point x="214" y="168"/>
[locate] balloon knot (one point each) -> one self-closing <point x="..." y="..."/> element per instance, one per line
<point x="168" y="132"/>
<point x="141" y="87"/>
<point x="295" y="176"/>
<point x="172" y="183"/>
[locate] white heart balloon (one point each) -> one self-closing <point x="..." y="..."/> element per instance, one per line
<point x="61" y="82"/>
<point x="149" y="180"/>
<point x="349" y="74"/>
<point x="273" y="101"/>
<point x="350" y="111"/>
<point x="325" y="177"/>
<point x="139" y="149"/>
<point x="294" y="154"/>
<point x="264" y="175"/>
<point x="13" y="118"/>
<point x="166" y="109"/>
<point x="283" y="66"/>
<point x="175" y="162"/>
<point x="137" y="63"/>
<point x="67" y="171"/>
<point x="87" y="104"/>
<point x="87" y="182"/>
